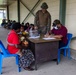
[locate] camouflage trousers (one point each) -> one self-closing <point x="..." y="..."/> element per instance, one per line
<point x="42" y="30"/>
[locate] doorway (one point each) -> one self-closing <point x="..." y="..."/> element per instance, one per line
<point x="2" y="15"/>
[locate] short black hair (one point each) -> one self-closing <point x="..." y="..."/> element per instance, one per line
<point x="16" y="26"/>
<point x="56" y="22"/>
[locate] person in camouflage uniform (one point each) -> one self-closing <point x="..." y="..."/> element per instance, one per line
<point x="43" y="19"/>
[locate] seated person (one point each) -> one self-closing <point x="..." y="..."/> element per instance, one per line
<point x="59" y="31"/>
<point x="22" y="31"/>
<point x="34" y="31"/>
<point x="31" y="30"/>
<point x="24" y="41"/>
<point x="3" y="24"/>
<point x="27" y="27"/>
<point x="14" y="47"/>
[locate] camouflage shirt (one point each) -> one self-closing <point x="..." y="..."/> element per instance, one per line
<point x="43" y="19"/>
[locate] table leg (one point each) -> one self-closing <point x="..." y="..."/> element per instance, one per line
<point x="35" y="65"/>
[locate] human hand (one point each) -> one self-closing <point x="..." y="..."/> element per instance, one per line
<point x="46" y="35"/>
<point x="35" y="27"/>
<point x="51" y="36"/>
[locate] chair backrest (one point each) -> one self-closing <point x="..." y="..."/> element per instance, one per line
<point x="69" y="37"/>
<point x="3" y="49"/>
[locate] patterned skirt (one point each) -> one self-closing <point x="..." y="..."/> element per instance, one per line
<point x="27" y="59"/>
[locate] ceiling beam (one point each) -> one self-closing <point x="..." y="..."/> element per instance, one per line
<point x="3" y="5"/>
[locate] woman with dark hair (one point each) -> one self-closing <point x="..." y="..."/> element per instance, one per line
<point x="26" y="27"/>
<point x="14" y="47"/>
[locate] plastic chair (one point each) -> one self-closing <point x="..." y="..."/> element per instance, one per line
<point x="4" y="53"/>
<point x="66" y="48"/>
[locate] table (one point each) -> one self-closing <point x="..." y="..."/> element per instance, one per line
<point x="44" y="50"/>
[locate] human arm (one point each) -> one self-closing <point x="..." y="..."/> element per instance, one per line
<point x="49" y="22"/>
<point x="36" y="19"/>
<point x="17" y="43"/>
<point x="60" y="34"/>
<point x="48" y="34"/>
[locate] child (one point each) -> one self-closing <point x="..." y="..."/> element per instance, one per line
<point x="24" y="42"/>
<point x="22" y="31"/>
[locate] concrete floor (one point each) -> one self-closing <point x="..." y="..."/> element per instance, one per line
<point x="65" y="67"/>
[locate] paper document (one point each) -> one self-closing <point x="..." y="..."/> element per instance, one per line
<point x="34" y="37"/>
<point x="49" y="38"/>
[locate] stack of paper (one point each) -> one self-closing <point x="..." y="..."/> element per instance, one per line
<point x="49" y="38"/>
<point x="34" y="37"/>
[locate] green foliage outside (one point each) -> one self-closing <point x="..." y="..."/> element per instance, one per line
<point x="0" y="20"/>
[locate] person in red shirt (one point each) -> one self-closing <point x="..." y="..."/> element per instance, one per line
<point x="14" y="47"/>
<point x="13" y="40"/>
<point x="59" y="31"/>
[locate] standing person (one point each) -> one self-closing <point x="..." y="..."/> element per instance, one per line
<point x="43" y="19"/>
<point x="14" y="47"/>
